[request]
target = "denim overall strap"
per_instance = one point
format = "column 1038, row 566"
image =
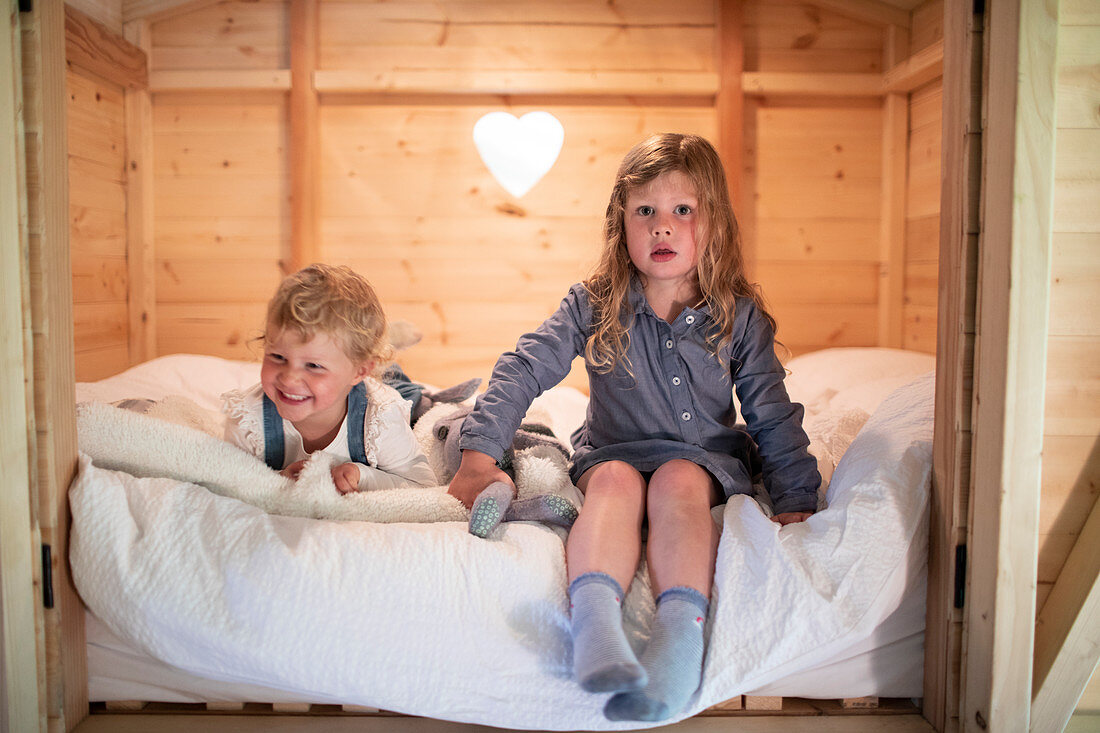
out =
column 395, row 377
column 357, row 413
column 274, row 445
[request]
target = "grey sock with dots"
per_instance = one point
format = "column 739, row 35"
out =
column 602, row 659
column 489, row 508
column 673, row 659
column 549, row 508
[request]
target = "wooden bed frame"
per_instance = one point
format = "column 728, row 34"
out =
column 997, row 658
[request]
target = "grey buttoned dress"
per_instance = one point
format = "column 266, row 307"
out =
column 678, row 403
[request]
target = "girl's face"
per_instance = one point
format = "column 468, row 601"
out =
column 308, row 380
column 660, row 220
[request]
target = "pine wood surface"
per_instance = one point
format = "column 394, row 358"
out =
column 1071, row 423
column 952, row 438
column 921, row 250
column 103, row 51
column 97, row 212
column 22, row 637
column 107, row 12
column 63, row 693
column 1012, row 350
column 403, row 195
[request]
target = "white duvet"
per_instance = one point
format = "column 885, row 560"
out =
column 429, row 620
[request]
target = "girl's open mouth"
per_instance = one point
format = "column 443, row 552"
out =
column 293, row 399
column 662, row 255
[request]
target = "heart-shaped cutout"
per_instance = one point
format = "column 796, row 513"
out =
column 518, row 152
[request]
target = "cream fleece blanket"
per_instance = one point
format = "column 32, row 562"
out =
column 173, row 441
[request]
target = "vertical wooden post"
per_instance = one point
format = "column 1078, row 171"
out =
column 958, row 277
column 22, row 673
column 895, row 138
column 1010, row 362
column 304, row 137
column 730, row 106
column 140, row 241
column 51, row 300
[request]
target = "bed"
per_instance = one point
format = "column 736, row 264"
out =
column 194, row 596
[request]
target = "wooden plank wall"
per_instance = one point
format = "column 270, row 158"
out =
column 816, row 168
column 404, row 198
column 1071, row 434
column 220, row 181
column 97, row 208
column 922, row 231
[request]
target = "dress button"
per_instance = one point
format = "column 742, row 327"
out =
column 668, row 344
column 685, row 416
column 690, row 320
column 676, row 381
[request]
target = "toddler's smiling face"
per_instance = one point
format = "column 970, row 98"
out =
column 308, row 379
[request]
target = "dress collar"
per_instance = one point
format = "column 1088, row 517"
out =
column 637, row 303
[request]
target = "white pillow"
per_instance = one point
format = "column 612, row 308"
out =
column 852, row 378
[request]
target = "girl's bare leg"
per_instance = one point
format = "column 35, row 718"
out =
column 683, row 543
column 602, row 553
column 607, row 536
column 683, row 538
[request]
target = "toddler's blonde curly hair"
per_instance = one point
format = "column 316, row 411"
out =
column 337, row 301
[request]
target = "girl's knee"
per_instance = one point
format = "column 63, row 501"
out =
column 681, row 481
column 679, row 471
column 612, row 478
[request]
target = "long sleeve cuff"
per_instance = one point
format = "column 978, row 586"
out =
column 481, row 445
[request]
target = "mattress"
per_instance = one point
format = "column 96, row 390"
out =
column 877, row 651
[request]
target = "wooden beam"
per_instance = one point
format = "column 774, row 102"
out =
column 746, row 217
column 895, row 169
column 867, row 11
column 140, row 241
column 23, row 662
column 781, row 83
column 1010, row 366
column 1067, row 632
column 922, row 67
column 154, row 10
column 730, row 101
column 203, row 80
column 601, row 83
column 45, row 103
column 305, row 137
column 94, row 47
column 959, row 228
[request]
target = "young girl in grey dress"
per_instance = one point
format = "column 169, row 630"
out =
column 669, row 328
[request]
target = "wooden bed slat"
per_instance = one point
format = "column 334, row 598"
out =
column 763, row 702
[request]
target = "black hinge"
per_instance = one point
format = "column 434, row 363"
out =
column 47, row 577
column 25, row 6
column 979, row 7
column 960, row 575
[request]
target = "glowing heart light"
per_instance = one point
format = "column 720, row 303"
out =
column 518, row 152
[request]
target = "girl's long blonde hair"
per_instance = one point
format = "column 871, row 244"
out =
column 720, row 267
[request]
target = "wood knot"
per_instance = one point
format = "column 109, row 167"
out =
column 511, row 209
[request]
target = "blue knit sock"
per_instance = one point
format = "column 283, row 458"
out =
column 602, row 659
column 673, row 659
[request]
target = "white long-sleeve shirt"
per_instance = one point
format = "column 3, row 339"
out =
column 391, row 448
